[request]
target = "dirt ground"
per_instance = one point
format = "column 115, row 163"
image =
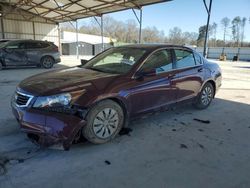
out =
column 167, row 149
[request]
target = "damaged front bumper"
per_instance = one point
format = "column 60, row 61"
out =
column 48, row 127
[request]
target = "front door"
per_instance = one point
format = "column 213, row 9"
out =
column 154, row 89
column 33, row 52
column 14, row 54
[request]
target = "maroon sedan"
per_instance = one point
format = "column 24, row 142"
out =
column 98, row 98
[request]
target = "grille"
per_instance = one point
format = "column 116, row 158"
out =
column 22, row 99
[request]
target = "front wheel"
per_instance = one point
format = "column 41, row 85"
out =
column 205, row 97
column 47, row 62
column 104, row 121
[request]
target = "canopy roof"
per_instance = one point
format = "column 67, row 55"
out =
column 70, row 10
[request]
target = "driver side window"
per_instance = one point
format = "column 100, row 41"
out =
column 160, row 61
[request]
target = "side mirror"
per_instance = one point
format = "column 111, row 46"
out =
column 151, row 72
column 147, row 73
column 84, row 61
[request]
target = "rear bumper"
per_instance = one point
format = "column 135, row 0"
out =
column 57, row 57
column 218, row 81
column 58, row 60
column 50, row 127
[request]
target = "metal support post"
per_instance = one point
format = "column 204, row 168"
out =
column 59, row 38
column 77, row 42
column 208, row 20
column 102, row 30
column 140, row 23
column 34, row 30
column 2, row 27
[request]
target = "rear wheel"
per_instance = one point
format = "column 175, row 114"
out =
column 205, row 97
column 104, row 121
column 47, row 62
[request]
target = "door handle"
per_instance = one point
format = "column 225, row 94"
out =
column 200, row 70
column 171, row 76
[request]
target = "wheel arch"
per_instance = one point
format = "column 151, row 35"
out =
column 2, row 62
column 211, row 82
column 47, row 55
column 121, row 102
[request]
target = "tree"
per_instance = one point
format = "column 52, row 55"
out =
column 128, row 32
column 175, row 36
column 152, row 35
column 214, row 32
column 190, row 38
column 236, row 25
column 201, row 36
column 131, row 31
column 243, row 24
column 225, row 24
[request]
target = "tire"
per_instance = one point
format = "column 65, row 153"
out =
column 205, row 97
column 104, row 122
column 47, row 62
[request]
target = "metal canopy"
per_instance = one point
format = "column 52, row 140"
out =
column 70, row 10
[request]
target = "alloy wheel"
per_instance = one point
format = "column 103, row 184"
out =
column 47, row 62
column 206, row 96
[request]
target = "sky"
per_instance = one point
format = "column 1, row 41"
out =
column 189, row 15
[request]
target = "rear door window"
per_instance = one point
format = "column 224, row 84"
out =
column 44, row 45
column 33, row 45
column 184, row 59
column 198, row 59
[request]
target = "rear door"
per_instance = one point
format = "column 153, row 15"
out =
column 14, row 54
column 34, row 50
column 188, row 75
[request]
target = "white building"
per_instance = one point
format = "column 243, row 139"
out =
column 87, row 44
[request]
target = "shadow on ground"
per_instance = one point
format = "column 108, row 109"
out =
column 244, row 67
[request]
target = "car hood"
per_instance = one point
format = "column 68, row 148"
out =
column 65, row 80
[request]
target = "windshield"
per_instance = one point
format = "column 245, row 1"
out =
column 115, row 60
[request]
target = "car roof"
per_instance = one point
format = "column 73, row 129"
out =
column 154, row 46
column 25, row 40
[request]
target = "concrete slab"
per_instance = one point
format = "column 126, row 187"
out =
column 167, row 149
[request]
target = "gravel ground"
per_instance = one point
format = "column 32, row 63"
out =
column 167, row 149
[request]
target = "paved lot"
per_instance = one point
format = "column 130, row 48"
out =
column 168, row 149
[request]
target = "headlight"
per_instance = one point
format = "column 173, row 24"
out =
column 53, row 101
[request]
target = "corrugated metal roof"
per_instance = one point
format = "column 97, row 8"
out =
column 68, row 10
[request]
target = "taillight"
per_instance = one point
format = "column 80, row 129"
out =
column 55, row 48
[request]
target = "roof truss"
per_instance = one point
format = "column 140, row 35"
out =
column 68, row 10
